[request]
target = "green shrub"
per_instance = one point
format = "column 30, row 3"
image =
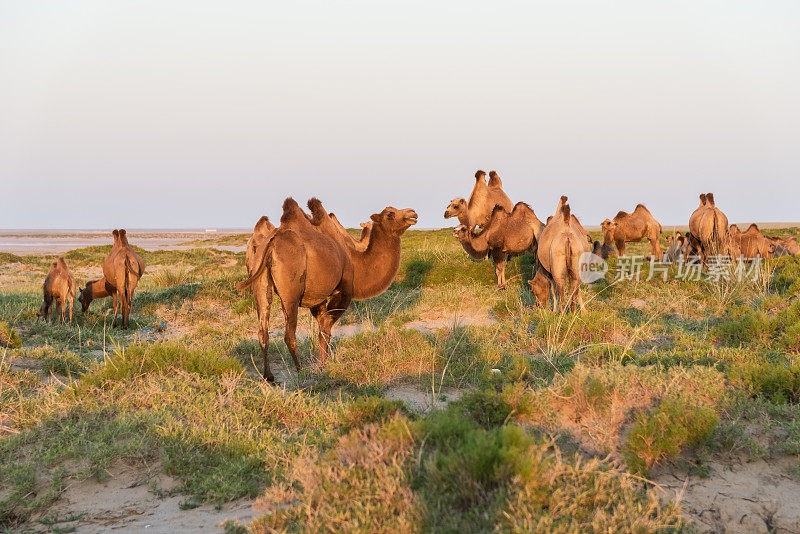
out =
column 9, row 337
column 486, row 408
column 744, row 326
column 661, row 435
column 369, row 409
column 776, row 382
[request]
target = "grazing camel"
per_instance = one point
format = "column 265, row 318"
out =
column 710, row 226
column 506, row 234
column 95, row 289
column 306, row 269
column 562, row 242
column 630, row 228
column 122, row 270
column 751, row 243
column 478, row 210
column 677, row 246
column 785, row 246
column 375, row 268
column 59, row 286
column 359, row 244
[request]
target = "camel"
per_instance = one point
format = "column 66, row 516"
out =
column 376, row 266
column 95, row 289
column 751, row 243
column 359, row 244
column 506, row 234
column 59, row 286
column 122, row 270
column 484, row 197
column 630, row 228
column 710, row 226
column 261, row 231
column 785, row 246
column 561, row 245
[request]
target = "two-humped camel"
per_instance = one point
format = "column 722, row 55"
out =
column 631, row 228
column 122, row 270
column 308, row 267
column 561, row 245
column 785, row 245
column 58, row 287
column 710, row 227
column 506, row 234
column 484, row 197
column 751, row 243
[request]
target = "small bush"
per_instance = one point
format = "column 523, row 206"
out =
column 171, row 277
column 744, row 326
column 363, row 410
column 9, row 337
column 776, row 382
column 486, row 408
column 661, row 435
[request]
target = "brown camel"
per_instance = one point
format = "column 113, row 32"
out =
column 95, row 289
column 751, row 243
column 306, row 269
column 710, row 226
column 677, row 246
column 785, row 246
column 122, row 270
column 506, row 234
column 375, row 268
column 59, row 286
column 359, row 244
column 482, row 200
column 561, row 245
column 261, row 233
column 632, row 228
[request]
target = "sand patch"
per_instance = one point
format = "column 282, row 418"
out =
column 421, row 401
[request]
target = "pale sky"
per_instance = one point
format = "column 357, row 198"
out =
column 208, row 114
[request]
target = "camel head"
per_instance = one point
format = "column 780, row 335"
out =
column 394, row 221
column 457, row 207
column 608, row 226
column 461, row 232
column 85, row 297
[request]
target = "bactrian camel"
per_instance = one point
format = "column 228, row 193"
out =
column 484, row 197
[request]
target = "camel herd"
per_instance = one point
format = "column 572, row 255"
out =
column 311, row 261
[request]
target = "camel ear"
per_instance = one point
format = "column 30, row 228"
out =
column 376, row 217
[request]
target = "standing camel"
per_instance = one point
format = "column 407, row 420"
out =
column 630, row 228
column 710, row 226
column 59, row 286
column 506, row 234
column 484, row 197
column 122, row 270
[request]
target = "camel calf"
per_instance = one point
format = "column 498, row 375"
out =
column 59, row 286
column 95, row 289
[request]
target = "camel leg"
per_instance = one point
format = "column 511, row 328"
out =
column 621, row 247
column 71, row 307
column 336, row 306
column 655, row 249
column 116, row 307
column 559, row 276
column 263, row 299
column 499, row 259
column 290, row 335
column 63, row 310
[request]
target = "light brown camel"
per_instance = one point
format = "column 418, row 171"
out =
column 561, row 245
column 376, row 267
column 306, row 268
column 785, row 246
column 95, row 289
column 261, row 233
column 359, row 244
column 632, row 228
column 750, row 243
column 506, row 234
column 122, row 270
column 710, row 226
column 59, row 286
column 478, row 209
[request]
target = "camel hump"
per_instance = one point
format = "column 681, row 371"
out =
column 479, row 175
column 318, row 212
column 565, row 212
column 291, row 210
column 641, row 207
column 753, row 227
column 620, row 215
column 263, row 225
column 703, row 199
column 564, row 199
column 62, row 263
column 521, row 206
column 494, row 179
column 710, row 198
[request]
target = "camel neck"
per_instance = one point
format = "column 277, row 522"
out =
column 376, row 267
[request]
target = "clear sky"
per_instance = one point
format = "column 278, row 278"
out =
column 208, row 114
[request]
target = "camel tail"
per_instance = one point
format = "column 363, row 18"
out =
column 261, row 261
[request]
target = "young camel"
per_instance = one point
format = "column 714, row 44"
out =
column 751, row 243
column 561, row 245
column 629, row 228
column 59, row 286
column 478, row 210
column 710, row 226
column 122, row 270
column 506, row 234
column 375, row 268
column 95, row 289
